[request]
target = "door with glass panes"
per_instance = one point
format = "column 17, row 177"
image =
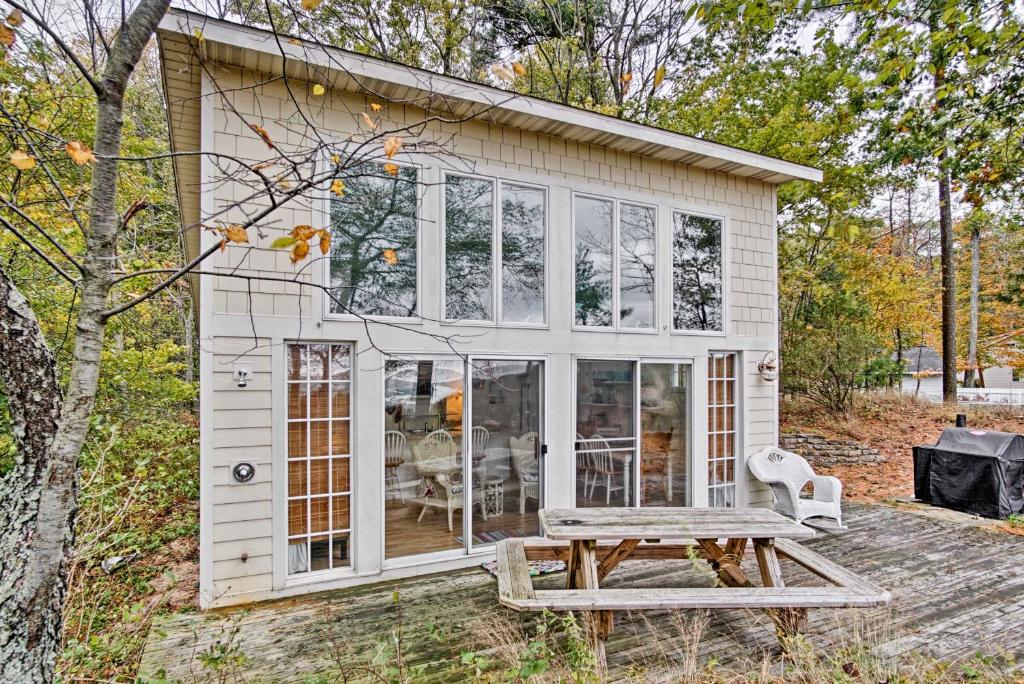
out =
column 633, row 432
column 462, row 453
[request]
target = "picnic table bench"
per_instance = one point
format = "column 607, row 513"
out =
column 593, row 541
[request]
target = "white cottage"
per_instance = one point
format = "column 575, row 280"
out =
column 555, row 308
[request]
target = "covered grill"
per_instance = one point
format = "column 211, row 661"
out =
column 970, row 470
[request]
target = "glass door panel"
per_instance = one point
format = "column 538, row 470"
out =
column 665, row 437
column 423, row 474
column 505, row 420
column 605, row 432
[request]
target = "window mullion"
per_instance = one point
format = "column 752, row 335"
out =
column 497, row 223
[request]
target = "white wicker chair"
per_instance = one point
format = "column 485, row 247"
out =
column 523, row 453
column 787, row 473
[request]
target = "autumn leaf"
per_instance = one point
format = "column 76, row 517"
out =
column 335, row 159
column 198, row 33
column 376, row 106
column 6, row 36
column 79, row 153
column 369, row 122
column 659, row 75
column 282, row 242
column 502, row 72
column 237, row 234
column 325, row 241
column 310, row 5
column 392, row 145
column 318, row 89
column 303, row 232
column 519, row 69
column 22, row 160
column 15, row 18
column 392, row 169
column 338, row 187
column 262, row 166
column 223, row 244
column 626, row 78
column 390, row 256
column 262, row 132
column 299, row 251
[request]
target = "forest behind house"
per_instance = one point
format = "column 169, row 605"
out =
column 853, row 90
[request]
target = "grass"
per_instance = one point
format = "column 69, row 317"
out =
column 139, row 492
column 559, row 648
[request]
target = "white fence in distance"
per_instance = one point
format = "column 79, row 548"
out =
column 994, row 396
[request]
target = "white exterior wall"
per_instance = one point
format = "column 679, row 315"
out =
column 248, row 423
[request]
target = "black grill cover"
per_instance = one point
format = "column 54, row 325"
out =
column 970, row 470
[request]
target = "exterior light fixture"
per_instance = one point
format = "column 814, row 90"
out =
column 767, row 367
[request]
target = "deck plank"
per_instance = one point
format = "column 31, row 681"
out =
column 955, row 590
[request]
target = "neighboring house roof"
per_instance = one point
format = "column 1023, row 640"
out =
column 262, row 51
column 921, row 359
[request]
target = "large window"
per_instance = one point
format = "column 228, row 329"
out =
column 374, row 245
column 494, row 251
column 722, row 429
column 319, row 456
column 696, row 272
column 615, row 273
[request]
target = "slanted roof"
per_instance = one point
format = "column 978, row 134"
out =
column 921, row 358
column 262, row 51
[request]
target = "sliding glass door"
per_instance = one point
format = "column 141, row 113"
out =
column 617, row 401
column 505, row 420
column 665, row 401
column 605, row 432
column 446, row 454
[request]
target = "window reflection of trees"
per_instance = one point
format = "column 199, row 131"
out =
column 373, row 252
column 469, row 207
column 696, row 273
column 593, row 262
column 522, row 254
column 636, row 266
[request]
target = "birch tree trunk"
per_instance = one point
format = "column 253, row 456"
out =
column 972, row 333
column 38, row 499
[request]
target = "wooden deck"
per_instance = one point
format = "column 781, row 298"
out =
column 957, row 589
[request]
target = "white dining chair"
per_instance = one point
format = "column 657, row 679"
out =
column 603, row 465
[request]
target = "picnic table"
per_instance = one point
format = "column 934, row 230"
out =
column 593, row 541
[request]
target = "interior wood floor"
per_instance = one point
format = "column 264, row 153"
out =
column 956, row 590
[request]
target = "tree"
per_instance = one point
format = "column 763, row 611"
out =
column 68, row 198
column 942, row 73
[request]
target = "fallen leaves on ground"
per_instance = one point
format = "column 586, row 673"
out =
column 893, row 425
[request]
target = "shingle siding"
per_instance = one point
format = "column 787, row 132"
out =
column 243, row 419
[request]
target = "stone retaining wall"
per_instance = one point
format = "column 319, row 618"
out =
column 829, row 452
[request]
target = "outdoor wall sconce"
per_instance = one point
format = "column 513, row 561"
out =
column 241, row 375
column 768, row 368
column 243, row 472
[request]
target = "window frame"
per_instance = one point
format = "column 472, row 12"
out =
column 324, row 272
column 674, row 209
column 497, row 224
column 738, row 407
column 280, row 461
column 617, row 202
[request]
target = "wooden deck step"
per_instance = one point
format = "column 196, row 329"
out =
column 683, row 599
